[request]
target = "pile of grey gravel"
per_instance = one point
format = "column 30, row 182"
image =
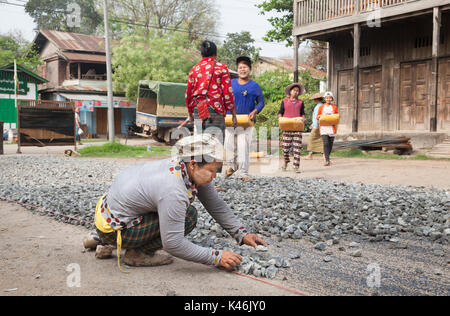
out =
column 320, row 211
column 63, row 185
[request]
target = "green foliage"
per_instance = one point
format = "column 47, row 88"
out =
column 139, row 57
column 8, row 50
column 53, row 15
column 117, row 150
column 195, row 17
column 236, row 45
column 273, row 85
column 282, row 25
column 268, row 118
column 13, row 47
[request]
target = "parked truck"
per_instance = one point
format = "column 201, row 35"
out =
column 160, row 109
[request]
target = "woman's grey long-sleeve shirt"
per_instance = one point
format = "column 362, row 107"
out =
column 158, row 187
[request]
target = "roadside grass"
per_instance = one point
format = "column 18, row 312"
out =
column 83, row 141
column 358, row 153
column 89, row 141
column 116, row 150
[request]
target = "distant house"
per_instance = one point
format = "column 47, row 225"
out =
column 267, row 64
column 28, row 90
column 75, row 67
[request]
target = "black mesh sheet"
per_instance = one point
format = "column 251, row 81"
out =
column 43, row 127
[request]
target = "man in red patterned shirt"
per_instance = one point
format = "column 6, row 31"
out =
column 210, row 81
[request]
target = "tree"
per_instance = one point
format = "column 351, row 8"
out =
column 317, row 57
column 142, row 57
column 235, row 45
column 195, row 17
column 57, row 15
column 14, row 46
column 282, row 30
column 282, row 25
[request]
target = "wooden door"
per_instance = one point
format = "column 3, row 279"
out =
column 370, row 100
column 443, row 116
column 102, row 121
column 345, row 100
column 118, row 121
column 414, row 96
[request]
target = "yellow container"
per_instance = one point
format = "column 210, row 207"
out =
column 243, row 121
column 296, row 124
column 329, row 120
column 257, row 155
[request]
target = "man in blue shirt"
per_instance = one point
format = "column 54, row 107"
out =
column 249, row 100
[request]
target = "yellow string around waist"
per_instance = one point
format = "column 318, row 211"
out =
column 104, row 227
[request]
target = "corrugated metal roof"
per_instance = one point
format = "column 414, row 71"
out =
column 288, row 64
column 85, row 57
column 80, row 88
column 33, row 76
column 75, row 42
column 91, row 97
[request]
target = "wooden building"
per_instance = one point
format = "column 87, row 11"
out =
column 75, row 67
column 389, row 61
column 28, row 90
column 267, row 64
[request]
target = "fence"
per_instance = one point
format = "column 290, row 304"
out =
column 45, row 123
column 313, row 11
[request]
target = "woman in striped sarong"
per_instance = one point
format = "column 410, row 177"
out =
column 292, row 107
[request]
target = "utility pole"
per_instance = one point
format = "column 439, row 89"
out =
column 296, row 61
column 111, row 132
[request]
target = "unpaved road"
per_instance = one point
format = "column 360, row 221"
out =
column 36, row 252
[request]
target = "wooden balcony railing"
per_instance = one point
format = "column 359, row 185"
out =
column 45, row 105
column 313, row 11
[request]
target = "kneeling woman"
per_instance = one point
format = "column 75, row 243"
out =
column 148, row 208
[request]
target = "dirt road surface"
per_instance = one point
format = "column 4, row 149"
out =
column 41, row 257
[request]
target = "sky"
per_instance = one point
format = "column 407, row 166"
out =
column 242, row 15
column 236, row 16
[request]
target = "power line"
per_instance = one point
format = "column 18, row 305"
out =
column 163, row 28
column 13, row 4
column 184, row 30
